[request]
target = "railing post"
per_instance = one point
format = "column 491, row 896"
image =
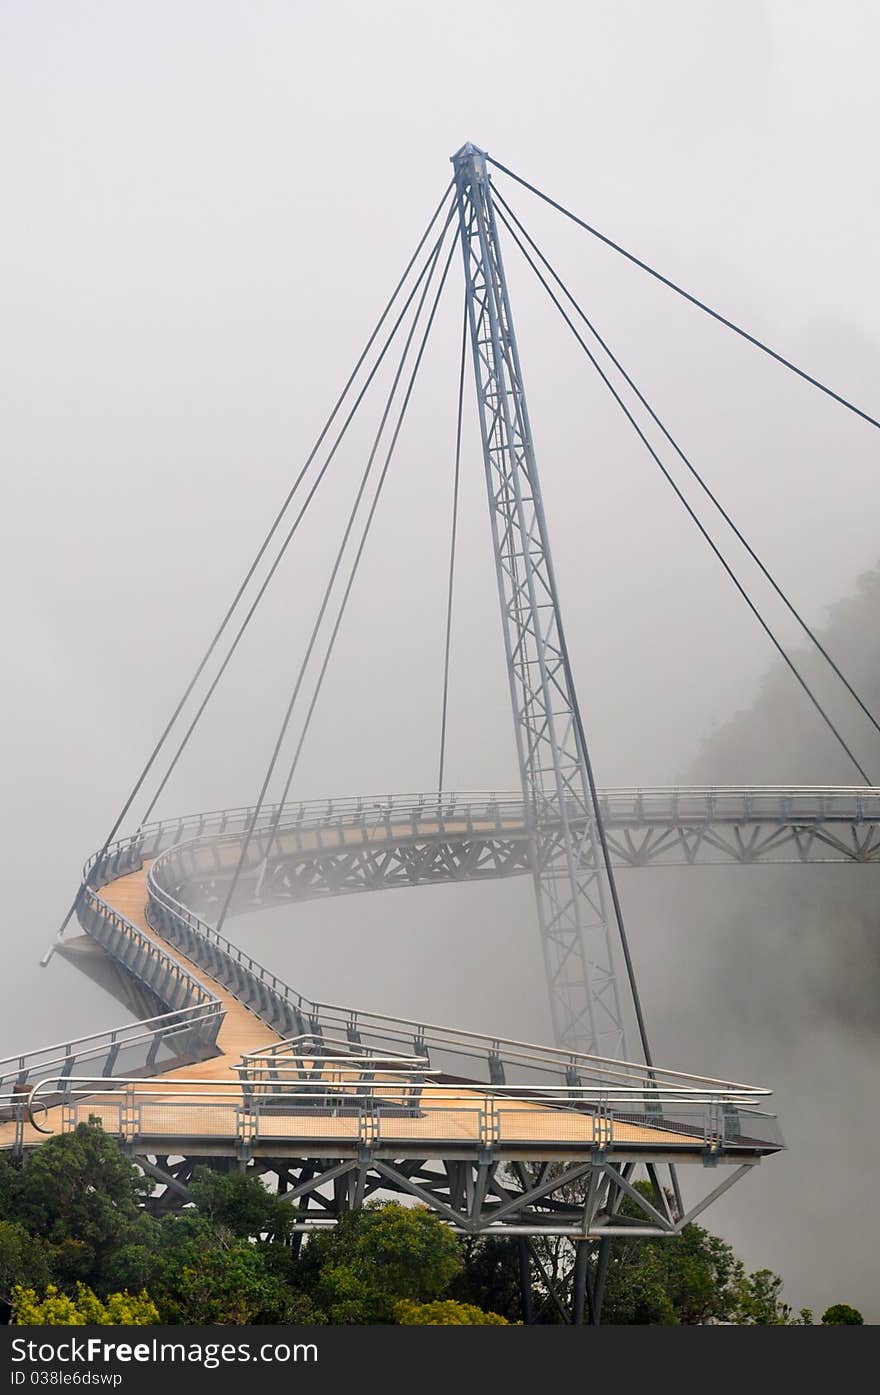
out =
column 713, row 1128
column 496, row 1066
column 247, row 1126
column 369, row 1125
column 129, row 1120
column 112, row 1055
column 602, row 1125
column 489, row 1122
column 18, row 1143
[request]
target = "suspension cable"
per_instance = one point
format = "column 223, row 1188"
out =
column 811, row 635
column 295, row 525
column 258, row 557
column 246, row 841
column 686, row 295
column 356, row 563
column 452, row 543
column 686, row 505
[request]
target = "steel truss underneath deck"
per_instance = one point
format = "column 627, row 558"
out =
column 455, row 1137
column 476, row 841
column 575, row 1200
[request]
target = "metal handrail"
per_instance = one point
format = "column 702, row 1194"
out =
column 451, row 1039
column 714, row 797
column 370, row 1096
column 376, row 1105
column 792, row 803
column 563, row 1096
column 108, row 1038
column 26, row 1064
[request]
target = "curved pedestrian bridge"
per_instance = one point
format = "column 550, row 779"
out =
column 229, row 1019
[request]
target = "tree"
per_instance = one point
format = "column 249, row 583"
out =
column 692, row 1278
column 375, row 1257
column 445, row 1312
column 240, row 1204
column 637, row 1291
column 24, row 1260
column 82, row 1195
column 225, row 1259
column 133, row 1260
column 490, row 1276
column 200, row 1272
column 58, row 1309
column 760, row 1302
column 231, row 1285
column 10, row 1176
column 842, row 1315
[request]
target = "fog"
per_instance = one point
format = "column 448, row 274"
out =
column 205, row 209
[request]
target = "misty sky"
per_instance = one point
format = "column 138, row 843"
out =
column 206, row 206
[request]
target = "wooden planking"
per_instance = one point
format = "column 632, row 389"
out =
column 242, row 1031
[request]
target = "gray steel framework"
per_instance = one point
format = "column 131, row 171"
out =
column 334, row 1121
column 350, row 846
column 645, row 825
column 562, row 829
column 476, row 1196
column 376, row 842
column 530, row 1204
column 565, row 1179
column 526, row 1202
column 586, row 1119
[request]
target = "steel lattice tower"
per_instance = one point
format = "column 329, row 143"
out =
column 565, row 850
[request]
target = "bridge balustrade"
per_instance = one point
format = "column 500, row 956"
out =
column 195, row 1013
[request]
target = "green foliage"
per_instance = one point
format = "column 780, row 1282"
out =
column 445, row 1312
column 200, row 1272
column 637, row 1287
column 687, row 1279
column 82, row 1195
column 842, row 1315
column 376, row 1257
column 240, row 1204
column 56, row 1309
column 415, row 1254
column 490, row 1276
column 132, row 1262
column 760, row 1301
column 24, row 1260
column 10, row 1173
column 231, row 1285
column 73, row 1229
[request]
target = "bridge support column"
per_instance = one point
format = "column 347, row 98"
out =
column 570, row 866
column 579, row 1291
column 525, row 1280
column 599, row 1281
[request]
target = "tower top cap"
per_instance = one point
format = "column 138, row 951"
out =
column 467, row 152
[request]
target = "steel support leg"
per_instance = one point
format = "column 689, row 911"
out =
column 561, row 809
column 525, row 1281
column 599, row 1282
column 579, row 1283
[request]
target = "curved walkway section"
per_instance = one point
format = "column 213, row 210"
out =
column 232, row 1025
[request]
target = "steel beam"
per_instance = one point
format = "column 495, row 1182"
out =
column 566, row 863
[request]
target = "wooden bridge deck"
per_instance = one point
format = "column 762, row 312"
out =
column 164, row 1113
